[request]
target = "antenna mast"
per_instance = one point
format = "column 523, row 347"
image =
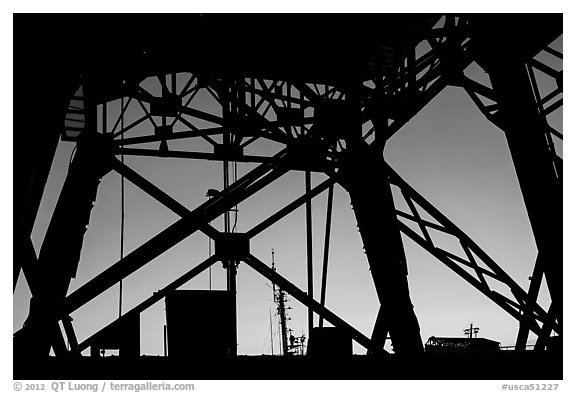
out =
column 280, row 300
column 471, row 330
column 290, row 345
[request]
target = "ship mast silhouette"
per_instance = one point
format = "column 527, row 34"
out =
column 290, row 345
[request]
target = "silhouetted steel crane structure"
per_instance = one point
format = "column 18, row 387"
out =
column 332, row 90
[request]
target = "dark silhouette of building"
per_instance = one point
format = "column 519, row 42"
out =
column 461, row 345
column 200, row 324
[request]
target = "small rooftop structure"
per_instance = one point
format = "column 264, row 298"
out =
column 461, row 345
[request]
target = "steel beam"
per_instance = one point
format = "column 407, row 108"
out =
column 159, row 195
column 371, row 199
column 70, row 334
column 326, row 250
column 143, row 306
column 240, row 190
column 381, row 329
column 403, row 96
column 302, row 297
column 526, row 135
column 229, row 100
column 492, row 295
column 25, row 254
column 34, row 151
column 504, row 54
column 309, row 260
column 190, row 223
column 204, row 133
column 60, row 252
column 544, row 338
column 184, row 109
column 535, row 283
column 291, row 207
column 450, row 228
column 195, row 155
column 516, row 115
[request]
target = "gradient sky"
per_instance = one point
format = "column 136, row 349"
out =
column 449, row 153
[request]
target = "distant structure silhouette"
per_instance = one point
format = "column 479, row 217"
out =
column 332, row 100
column 461, row 345
column 472, row 331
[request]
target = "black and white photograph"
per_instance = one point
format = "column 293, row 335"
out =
column 288, row 196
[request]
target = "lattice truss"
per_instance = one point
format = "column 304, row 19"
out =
column 169, row 107
column 547, row 98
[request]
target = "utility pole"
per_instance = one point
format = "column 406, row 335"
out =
column 472, row 330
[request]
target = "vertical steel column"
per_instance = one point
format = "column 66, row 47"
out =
column 122, row 209
column 29, row 187
column 525, row 132
column 70, row 334
column 34, row 151
column 373, row 205
column 309, row 258
column 105, row 117
column 362, row 172
column 326, row 250
column 503, row 52
column 60, row 253
column 230, row 109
